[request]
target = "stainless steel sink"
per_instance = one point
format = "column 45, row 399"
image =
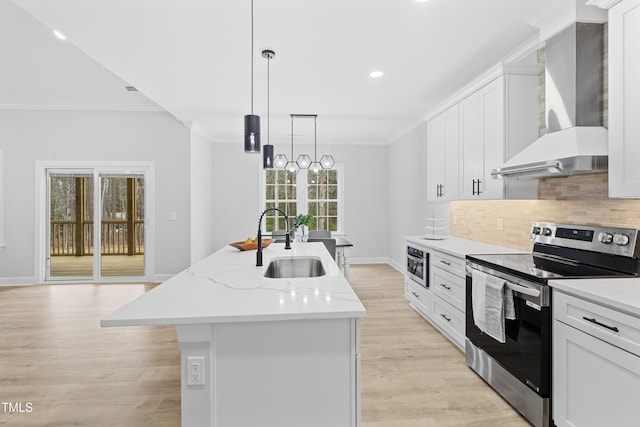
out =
column 280, row 268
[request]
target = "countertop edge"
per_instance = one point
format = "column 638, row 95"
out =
column 584, row 293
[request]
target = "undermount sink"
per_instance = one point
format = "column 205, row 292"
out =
column 290, row 267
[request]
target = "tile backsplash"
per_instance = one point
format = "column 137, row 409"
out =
column 581, row 199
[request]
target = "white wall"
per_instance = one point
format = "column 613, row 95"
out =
column 237, row 195
column 408, row 206
column 30, row 135
column 202, row 198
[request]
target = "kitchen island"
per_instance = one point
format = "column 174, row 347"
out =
column 257, row 350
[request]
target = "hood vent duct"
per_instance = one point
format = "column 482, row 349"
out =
column 575, row 142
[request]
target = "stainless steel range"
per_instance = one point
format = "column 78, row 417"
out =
column 520, row 367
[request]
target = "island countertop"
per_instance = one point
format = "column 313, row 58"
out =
column 228, row 287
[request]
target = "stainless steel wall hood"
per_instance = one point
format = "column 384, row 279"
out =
column 575, row 141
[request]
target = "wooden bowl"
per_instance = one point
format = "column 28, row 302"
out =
column 243, row 246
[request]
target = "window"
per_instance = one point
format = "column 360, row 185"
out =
column 281, row 193
column 319, row 194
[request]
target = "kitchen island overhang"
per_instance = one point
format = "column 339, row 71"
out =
column 276, row 351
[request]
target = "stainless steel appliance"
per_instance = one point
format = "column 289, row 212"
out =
column 418, row 266
column 520, row 368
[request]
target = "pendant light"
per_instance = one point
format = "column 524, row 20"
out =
column 292, row 166
column 251, row 121
column 267, row 152
column 315, row 166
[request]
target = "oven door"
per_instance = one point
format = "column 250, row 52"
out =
column 418, row 266
column 526, row 353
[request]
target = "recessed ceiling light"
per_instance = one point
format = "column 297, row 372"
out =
column 375, row 74
column 59, row 35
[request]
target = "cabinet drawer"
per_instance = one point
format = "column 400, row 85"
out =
column 614, row 327
column 418, row 296
column 448, row 319
column 449, row 263
column 449, row 287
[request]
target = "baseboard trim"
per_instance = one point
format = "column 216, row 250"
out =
column 17, row 281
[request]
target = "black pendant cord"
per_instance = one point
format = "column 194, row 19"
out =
column 268, row 121
column 291, row 138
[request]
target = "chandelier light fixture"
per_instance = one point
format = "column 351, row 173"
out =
column 251, row 121
column 304, row 161
column 267, row 152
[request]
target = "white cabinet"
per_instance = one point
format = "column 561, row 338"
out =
column 624, row 99
column 596, row 364
column 448, row 283
column 442, row 156
column 496, row 122
column 419, row 297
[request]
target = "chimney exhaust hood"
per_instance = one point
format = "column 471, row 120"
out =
column 575, row 142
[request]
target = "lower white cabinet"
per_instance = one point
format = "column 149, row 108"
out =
column 595, row 381
column 419, row 297
column 443, row 303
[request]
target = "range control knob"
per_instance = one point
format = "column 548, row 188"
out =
column 546, row 231
column 621, row 239
column 605, row 238
column 536, row 230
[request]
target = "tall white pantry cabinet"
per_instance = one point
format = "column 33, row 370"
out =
column 479, row 131
column 624, row 98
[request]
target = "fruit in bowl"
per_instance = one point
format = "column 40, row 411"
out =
column 251, row 244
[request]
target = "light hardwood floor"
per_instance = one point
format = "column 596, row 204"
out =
column 54, row 355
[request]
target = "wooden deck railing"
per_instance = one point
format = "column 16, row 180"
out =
column 115, row 238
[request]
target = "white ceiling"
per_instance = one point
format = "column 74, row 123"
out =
column 192, row 58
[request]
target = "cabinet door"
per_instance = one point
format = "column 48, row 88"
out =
column 624, row 99
column 470, row 146
column 492, row 102
column 435, row 157
column 442, row 156
column 594, row 383
column 449, row 191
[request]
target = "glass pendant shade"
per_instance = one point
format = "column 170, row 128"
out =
column 315, row 167
column 292, row 167
column 327, row 161
column 280, row 161
column 267, row 157
column 304, row 161
column 251, row 133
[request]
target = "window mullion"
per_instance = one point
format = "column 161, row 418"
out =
column 301, row 192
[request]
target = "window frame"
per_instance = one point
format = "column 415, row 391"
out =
column 302, row 200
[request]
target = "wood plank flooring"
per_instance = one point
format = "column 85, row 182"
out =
column 54, row 354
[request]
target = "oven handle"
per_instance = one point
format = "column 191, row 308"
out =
column 523, row 289
column 516, row 287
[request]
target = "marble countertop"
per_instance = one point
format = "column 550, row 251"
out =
column 228, row 287
column 458, row 247
column 622, row 294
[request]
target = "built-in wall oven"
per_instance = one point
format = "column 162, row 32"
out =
column 520, row 367
column 418, row 266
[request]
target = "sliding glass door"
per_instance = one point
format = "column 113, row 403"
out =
column 96, row 224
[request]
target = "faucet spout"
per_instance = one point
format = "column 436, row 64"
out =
column 287, row 241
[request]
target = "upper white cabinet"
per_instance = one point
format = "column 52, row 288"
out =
column 496, row 122
column 442, row 155
column 478, row 132
column 624, row 99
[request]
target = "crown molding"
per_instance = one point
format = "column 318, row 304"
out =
column 603, row 4
column 53, row 107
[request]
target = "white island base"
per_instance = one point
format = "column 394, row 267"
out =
column 283, row 373
column 268, row 352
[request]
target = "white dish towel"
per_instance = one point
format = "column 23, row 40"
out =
column 492, row 303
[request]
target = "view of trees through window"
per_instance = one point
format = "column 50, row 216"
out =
column 319, row 196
